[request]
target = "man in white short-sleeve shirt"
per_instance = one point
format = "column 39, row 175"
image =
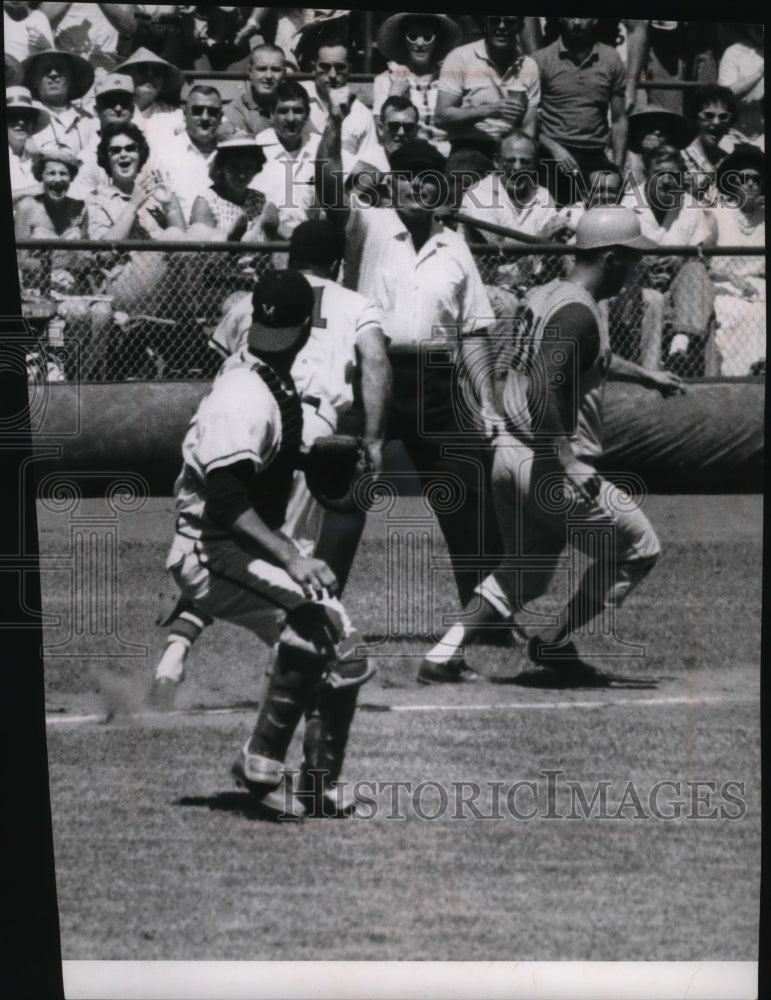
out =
column 436, row 315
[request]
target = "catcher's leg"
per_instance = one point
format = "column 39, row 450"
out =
column 327, row 726
column 311, row 646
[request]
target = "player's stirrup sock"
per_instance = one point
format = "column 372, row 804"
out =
column 460, row 634
column 291, row 684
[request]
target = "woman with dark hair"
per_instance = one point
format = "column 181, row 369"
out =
column 135, row 205
column 132, row 205
column 740, row 282
column 713, row 109
column 229, row 207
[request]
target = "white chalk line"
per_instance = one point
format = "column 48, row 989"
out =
column 60, row 720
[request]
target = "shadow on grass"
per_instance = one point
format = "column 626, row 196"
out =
column 237, row 803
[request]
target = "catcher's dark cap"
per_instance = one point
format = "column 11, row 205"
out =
column 417, row 155
column 282, row 306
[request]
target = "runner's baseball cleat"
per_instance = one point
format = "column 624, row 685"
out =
column 455, row 671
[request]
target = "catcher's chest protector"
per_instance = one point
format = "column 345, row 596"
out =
column 269, row 490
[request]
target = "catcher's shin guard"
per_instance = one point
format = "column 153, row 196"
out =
column 327, row 727
column 292, row 680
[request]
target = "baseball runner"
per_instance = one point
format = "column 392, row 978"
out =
column 346, row 346
column 231, row 559
column 544, row 479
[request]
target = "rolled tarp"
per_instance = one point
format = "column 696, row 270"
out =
column 709, row 440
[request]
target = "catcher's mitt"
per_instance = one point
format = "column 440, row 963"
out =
column 332, row 468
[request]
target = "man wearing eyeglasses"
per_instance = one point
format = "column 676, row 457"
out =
column 488, row 88
column 331, row 70
column 184, row 157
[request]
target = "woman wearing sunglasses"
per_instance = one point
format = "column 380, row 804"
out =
column 135, row 204
column 740, row 282
column 415, row 46
column 713, row 110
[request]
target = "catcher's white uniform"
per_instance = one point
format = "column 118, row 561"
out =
column 239, row 420
column 535, row 520
column 323, row 374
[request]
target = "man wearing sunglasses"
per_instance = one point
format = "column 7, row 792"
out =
column 184, row 158
column 488, row 88
column 331, row 70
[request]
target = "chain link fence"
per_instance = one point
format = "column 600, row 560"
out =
column 145, row 311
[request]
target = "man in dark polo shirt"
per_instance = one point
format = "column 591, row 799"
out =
column 252, row 110
column 581, row 81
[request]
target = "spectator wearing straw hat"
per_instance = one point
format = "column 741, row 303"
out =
column 25, row 117
column 415, row 45
column 59, row 80
column 652, row 128
column 229, row 206
column 157, row 86
column 26, row 31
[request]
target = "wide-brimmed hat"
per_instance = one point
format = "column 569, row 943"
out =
column 80, row 70
column 174, row 79
column 390, row 40
column 238, row 141
column 744, row 154
column 20, row 98
column 642, row 123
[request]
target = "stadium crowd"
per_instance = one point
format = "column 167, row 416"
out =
column 532, row 120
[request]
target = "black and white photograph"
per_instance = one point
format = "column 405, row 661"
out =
column 389, row 480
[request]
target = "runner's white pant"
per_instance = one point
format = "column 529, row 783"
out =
column 537, row 524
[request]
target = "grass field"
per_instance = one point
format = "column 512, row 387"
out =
column 158, row 856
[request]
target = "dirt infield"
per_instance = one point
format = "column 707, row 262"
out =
column 159, row 857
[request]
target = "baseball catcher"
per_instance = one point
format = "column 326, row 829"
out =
column 231, row 559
